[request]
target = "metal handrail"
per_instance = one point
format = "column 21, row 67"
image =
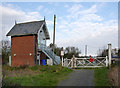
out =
column 49, row 51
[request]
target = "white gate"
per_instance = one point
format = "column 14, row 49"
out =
column 85, row 63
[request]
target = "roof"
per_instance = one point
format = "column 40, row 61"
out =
column 28, row 28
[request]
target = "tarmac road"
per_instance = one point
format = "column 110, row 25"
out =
column 82, row 77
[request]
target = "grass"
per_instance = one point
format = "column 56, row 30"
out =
column 101, row 77
column 0, row 72
column 114, row 75
column 48, row 76
column 88, row 68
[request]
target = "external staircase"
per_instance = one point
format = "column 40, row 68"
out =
column 50, row 54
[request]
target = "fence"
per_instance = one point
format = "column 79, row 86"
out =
column 85, row 63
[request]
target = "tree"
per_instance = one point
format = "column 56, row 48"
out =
column 103, row 52
column 118, row 52
column 57, row 50
column 70, row 51
column 51, row 45
column 5, row 51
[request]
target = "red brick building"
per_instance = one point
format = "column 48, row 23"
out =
column 28, row 44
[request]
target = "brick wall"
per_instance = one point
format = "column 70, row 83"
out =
column 21, row 47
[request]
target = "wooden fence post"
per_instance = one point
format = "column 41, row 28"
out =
column 73, row 61
column 109, row 54
column 62, row 61
column 106, row 61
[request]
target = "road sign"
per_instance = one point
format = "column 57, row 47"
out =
column 62, row 53
column 90, row 59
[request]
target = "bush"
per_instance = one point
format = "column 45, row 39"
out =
column 14, row 68
column 34, row 68
column 23, row 66
column 6, row 82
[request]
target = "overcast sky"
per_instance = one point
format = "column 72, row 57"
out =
column 77, row 23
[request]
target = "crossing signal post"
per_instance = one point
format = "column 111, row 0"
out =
column 85, row 50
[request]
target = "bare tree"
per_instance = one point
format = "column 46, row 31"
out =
column 5, row 51
column 70, row 51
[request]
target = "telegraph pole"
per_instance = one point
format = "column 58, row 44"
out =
column 85, row 50
column 54, row 34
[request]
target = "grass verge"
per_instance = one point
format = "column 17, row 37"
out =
column 114, row 76
column 101, row 77
column 47, row 76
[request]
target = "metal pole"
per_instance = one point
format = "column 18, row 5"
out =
column 109, row 54
column 85, row 50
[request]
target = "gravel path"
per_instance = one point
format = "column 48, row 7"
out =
column 83, row 77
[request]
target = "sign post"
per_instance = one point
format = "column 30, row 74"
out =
column 62, row 54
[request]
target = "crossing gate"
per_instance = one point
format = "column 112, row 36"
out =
column 85, row 63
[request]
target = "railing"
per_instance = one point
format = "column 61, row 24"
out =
column 47, row 50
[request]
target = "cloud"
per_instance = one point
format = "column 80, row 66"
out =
column 92, row 9
column 91, row 17
column 40, row 7
column 75, row 11
column 81, row 30
column 75, row 8
column 49, row 10
column 86, row 27
column 81, row 26
column 66, row 6
column 49, row 22
column 9, row 16
column 90, row 33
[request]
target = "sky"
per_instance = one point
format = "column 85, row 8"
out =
column 94, row 24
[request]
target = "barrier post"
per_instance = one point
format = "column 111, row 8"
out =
column 73, row 62
column 109, row 54
column 106, row 61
